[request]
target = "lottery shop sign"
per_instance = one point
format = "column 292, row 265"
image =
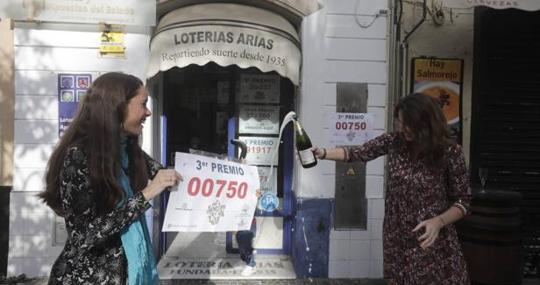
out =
column 215, row 196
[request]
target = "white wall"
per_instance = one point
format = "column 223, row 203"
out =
column 452, row 39
column 40, row 54
column 336, row 48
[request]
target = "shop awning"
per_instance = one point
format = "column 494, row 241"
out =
column 529, row 5
column 301, row 7
column 292, row 10
column 226, row 34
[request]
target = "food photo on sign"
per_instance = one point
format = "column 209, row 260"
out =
column 441, row 79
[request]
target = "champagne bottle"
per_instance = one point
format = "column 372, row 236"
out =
column 303, row 145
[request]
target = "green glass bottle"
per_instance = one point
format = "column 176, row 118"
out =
column 303, row 145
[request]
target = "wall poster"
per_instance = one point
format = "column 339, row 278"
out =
column 260, row 150
column 350, row 128
column 441, row 78
column 71, row 90
column 259, row 88
column 258, row 119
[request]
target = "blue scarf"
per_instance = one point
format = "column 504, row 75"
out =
column 135, row 238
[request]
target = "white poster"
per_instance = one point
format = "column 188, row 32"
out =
column 259, row 88
column 260, row 150
column 258, row 119
column 215, row 196
column 350, row 128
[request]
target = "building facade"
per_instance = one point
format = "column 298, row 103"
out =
column 339, row 42
column 210, row 66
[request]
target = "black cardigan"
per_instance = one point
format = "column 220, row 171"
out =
column 93, row 253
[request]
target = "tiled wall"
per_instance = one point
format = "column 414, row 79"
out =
column 336, row 48
column 358, row 254
column 40, row 54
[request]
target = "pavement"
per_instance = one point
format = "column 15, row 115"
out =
column 19, row 280
column 310, row 281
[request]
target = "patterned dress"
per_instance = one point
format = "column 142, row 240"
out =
column 417, row 192
column 93, row 253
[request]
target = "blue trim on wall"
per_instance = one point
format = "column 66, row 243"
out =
column 163, row 140
column 231, row 131
column 231, row 150
column 163, row 198
column 311, row 247
column 288, row 162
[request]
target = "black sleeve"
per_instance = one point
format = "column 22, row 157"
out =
column 85, row 227
column 371, row 149
column 459, row 187
column 152, row 165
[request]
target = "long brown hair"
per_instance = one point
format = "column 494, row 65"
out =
column 96, row 130
column 423, row 116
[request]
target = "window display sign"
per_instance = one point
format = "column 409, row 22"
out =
column 268, row 184
column 215, row 196
column 259, row 88
column 441, row 79
column 350, row 128
column 259, row 119
column 71, row 90
column 260, row 150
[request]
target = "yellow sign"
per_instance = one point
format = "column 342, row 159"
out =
column 437, row 69
column 112, row 43
column 442, row 80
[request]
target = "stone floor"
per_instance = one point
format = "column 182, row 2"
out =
column 19, row 280
column 312, row 281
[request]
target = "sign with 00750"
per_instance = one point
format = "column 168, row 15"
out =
column 215, row 196
column 350, row 128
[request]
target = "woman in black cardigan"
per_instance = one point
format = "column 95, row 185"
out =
column 98, row 180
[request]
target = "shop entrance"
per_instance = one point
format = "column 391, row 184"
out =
column 506, row 117
column 204, row 107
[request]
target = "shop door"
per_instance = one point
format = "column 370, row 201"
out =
column 506, row 114
column 204, row 107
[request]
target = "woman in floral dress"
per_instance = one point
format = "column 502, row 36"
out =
column 428, row 190
column 97, row 179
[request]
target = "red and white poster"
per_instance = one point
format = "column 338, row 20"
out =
column 350, row 128
column 215, row 196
